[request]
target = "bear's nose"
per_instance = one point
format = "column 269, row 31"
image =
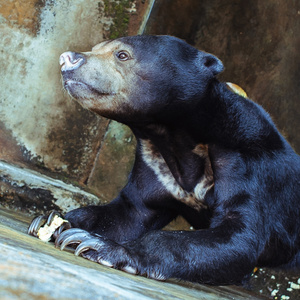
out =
column 71, row 61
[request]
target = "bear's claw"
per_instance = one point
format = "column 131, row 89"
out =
column 85, row 240
column 90, row 244
column 71, row 236
column 42, row 220
column 36, row 224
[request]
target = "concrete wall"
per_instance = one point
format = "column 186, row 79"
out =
column 41, row 128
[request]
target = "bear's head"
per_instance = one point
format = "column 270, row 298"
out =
column 139, row 79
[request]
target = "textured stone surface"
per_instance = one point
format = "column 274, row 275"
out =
column 36, row 193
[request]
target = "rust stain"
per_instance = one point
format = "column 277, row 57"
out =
column 22, row 13
column 9, row 151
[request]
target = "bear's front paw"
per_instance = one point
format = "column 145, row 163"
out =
column 97, row 249
column 49, row 227
column 106, row 252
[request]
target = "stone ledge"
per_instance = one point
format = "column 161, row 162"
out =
column 34, row 192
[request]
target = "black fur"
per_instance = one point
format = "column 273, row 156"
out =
column 253, row 210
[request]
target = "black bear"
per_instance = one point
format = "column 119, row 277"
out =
column 203, row 152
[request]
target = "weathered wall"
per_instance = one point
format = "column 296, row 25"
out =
column 46, row 129
column 41, row 128
column 258, row 42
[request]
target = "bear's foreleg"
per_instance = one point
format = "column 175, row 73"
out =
column 218, row 255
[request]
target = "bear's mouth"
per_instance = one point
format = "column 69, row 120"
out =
column 79, row 89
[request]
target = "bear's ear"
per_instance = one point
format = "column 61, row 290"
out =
column 212, row 63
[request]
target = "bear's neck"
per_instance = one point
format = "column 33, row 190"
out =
column 178, row 150
column 231, row 121
column 223, row 120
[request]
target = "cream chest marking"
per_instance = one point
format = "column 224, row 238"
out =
column 157, row 163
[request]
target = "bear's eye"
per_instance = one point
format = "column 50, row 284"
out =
column 123, row 55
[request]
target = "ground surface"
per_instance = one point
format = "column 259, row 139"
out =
column 32, row 269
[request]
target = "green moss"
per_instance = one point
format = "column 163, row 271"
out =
column 118, row 10
column 114, row 162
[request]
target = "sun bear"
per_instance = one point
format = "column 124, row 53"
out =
column 203, row 152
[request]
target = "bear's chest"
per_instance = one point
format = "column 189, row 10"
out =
column 195, row 198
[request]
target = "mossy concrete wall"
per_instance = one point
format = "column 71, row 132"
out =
column 258, row 42
column 41, row 128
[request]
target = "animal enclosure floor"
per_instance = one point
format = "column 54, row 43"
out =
column 32, row 269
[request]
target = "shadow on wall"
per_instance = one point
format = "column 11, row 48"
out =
column 258, row 42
